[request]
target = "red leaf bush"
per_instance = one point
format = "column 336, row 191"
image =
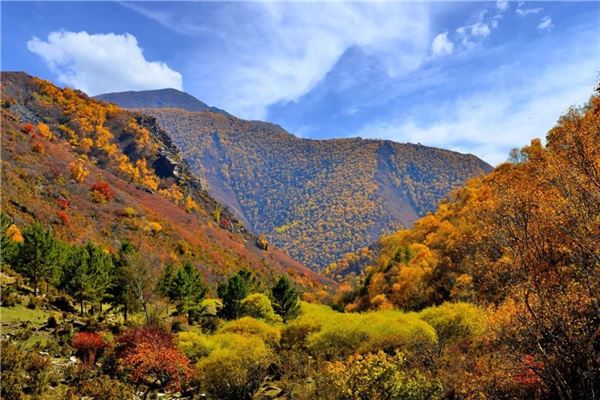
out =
column 102, row 192
column 149, row 356
column 88, row 345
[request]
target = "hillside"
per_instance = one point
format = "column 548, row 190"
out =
column 96, row 172
column 163, row 98
column 317, row 199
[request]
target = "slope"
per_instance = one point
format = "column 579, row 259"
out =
column 97, row 172
column 163, row 98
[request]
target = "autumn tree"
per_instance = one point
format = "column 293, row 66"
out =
column 150, row 358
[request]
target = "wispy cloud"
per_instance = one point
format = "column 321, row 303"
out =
column 275, row 53
column 490, row 121
column 502, row 5
column 545, row 24
column 523, row 12
column 102, row 63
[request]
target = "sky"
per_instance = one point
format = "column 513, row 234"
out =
column 475, row 77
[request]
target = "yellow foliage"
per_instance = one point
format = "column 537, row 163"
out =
column 78, row 170
column 14, row 233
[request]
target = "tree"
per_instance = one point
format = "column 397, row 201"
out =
column 285, row 299
column 10, row 237
column 184, row 287
column 141, row 272
column 87, row 275
column 233, row 292
column 120, row 291
column 149, row 357
column 38, row 254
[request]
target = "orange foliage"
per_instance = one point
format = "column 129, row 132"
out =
column 78, row 170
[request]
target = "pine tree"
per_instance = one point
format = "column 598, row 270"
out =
column 285, row 299
column 184, row 287
column 38, row 255
column 232, row 293
column 120, row 291
column 87, row 275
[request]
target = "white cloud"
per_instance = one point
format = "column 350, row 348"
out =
column 489, row 123
column 100, row 63
column 441, row 45
column 480, row 29
column 502, row 5
column 545, row 24
column 271, row 53
column 523, row 12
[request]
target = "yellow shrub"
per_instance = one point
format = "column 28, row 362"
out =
column 248, row 326
column 153, row 227
column 78, row 170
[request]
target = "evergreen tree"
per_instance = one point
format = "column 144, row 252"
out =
column 232, row 293
column 120, row 291
column 184, row 287
column 87, row 275
column 38, row 255
column 285, row 299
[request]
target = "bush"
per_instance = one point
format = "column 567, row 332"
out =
column 101, row 192
column 106, row 388
column 14, row 376
column 195, row 345
column 455, row 322
column 38, row 369
column 343, row 334
column 88, row 345
column 375, row 377
column 236, row 367
column 252, row 327
column 257, row 305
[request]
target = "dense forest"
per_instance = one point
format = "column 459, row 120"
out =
column 120, row 279
column 315, row 199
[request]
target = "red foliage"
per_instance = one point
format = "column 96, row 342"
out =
column 63, row 217
column 38, row 147
column 88, row 345
column 27, row 128
column 149, row 355
column 63, row 203
column 103, row 189
column 527, row 375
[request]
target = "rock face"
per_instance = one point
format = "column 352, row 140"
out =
column 317, row 199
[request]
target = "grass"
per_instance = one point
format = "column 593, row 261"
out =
column 20, row 313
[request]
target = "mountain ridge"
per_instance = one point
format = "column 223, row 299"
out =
column 317, row 199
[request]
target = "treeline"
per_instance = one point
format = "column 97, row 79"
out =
column 129, row 281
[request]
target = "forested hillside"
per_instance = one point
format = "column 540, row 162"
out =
column 523, row 241
column 316, row 199
column 96, row 172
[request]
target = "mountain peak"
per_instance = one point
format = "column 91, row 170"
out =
column 159, row 98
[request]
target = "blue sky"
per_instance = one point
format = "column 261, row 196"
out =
column 476, row 77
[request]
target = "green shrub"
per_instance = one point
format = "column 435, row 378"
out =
column 342, row 334
column 14, row 376
column 195, row 345
column 235, row 368
column 257, row 305
column 455, row 322
column 253, row 327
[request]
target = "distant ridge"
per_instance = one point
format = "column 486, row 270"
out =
column 161, row 98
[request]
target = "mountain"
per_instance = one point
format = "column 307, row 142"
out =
column 96, row 172
column 317, row 199
column 163, row 98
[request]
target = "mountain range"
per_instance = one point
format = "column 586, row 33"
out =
column 316, row 199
